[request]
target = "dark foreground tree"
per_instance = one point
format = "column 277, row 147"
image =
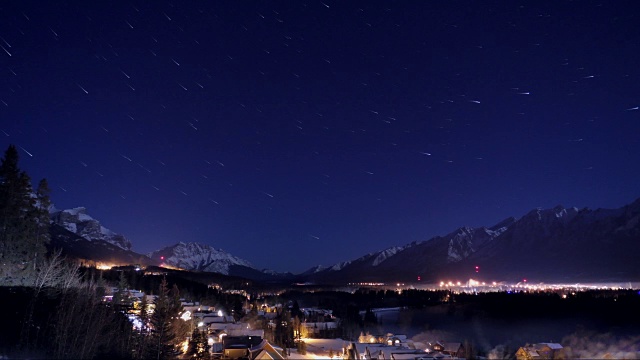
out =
column 122, row 299
column 24, row 222
column 167, row 329
column 198, row 345
column 85, row 327
column 72, row 324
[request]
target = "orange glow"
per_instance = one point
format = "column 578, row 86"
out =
column 104, row 266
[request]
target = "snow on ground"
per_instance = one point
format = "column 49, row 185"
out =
column 320, row 348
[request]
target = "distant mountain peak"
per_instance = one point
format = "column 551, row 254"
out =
column 199, row 257
column 80, row 223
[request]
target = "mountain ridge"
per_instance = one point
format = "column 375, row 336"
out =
column 543, row 242
column 558, row 242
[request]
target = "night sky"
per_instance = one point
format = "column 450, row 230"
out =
column 298, row 133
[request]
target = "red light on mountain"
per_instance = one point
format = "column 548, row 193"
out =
column 419, row 278
column 161, row 257
column 477, row 268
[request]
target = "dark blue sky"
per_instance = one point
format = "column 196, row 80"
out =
column 297, row 133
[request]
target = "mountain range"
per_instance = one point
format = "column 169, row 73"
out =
column 557, row 244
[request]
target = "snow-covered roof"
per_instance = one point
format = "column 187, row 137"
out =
column 405, row 356
column 244, row 332
column 222, row 326
column 210, row 319
column 321, row 347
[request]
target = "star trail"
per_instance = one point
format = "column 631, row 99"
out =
column 298, row 133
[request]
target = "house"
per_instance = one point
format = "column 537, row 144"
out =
column 454, row 349
column 209, row 319
column 194, row 308
column 249, row 347
column 388, row 339
column 541, row 351
column 373, row 351
column 322, row 348
column 407, row 354
column 371, row 339
column 266, row 351
column 318, row 328
column 368, row 351
column 396, row 340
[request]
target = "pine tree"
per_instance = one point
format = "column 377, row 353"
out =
column 174, row 301
column 295, row 323
column 140, row 344
column 121, row 297
column 41, row 214
column 180, row 327
column 198, row 345
column 167, row 327
column 12, row 201
column 24, row 221
column 144, row 315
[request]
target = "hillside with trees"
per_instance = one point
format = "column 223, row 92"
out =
column 56, row 309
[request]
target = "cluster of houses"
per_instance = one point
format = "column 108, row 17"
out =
column 229, row 339
column 541, row 351
column 395, row 346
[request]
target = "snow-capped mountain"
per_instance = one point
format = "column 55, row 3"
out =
column 314, row 270
column 575, row 244
column 78, row 222
column 545, row 243
column 92, row 252
column 105, row 245
column 199, row 257
column 417, row 259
